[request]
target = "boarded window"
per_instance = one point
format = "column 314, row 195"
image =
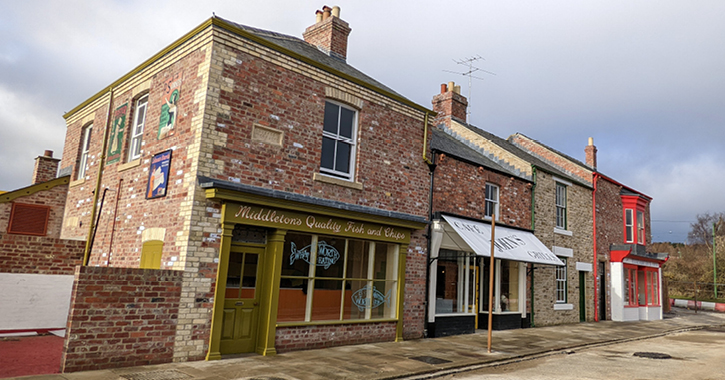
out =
column 28, row 219
column 151, row 254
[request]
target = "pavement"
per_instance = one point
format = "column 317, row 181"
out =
column 413, row 359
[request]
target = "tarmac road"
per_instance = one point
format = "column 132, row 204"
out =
column 693, row 355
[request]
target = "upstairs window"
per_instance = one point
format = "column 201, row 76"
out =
column 629, row 225
column 640, row 227
column 560, row 206
column 83, row 154
column 139, row 121
column 491, row 207
column 338, row 141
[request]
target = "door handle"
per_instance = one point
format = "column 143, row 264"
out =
column 240, row 303
column 256, row 303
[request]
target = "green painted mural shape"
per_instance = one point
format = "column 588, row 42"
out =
column 115, row 137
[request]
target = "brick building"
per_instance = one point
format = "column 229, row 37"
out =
column 36, row 265
column 472, row 189
column 628, row 278
column 288, row 188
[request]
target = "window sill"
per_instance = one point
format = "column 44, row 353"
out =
column 563, row 306
column 336, row 181
column 337, row 322
column 77, row 182
column 129, row 165
column 560, row 231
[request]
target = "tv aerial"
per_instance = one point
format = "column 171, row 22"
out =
column 469, row 61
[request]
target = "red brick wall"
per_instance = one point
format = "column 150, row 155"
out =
column 39, row 254
column 310, row 337
column 459, row 188
column 610, row 229
column 46, row 167
column 121, row 317
column 415, row 285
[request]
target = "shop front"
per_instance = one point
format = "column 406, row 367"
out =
column 636, row 283
column 287, row 265
column 459, row 279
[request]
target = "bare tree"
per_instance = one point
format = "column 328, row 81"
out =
column 701, row 230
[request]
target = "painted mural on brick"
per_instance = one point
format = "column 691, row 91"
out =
column 169, row 111
column 118, row 127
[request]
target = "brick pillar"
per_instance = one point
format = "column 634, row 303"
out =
column 329, row 33
column 450, row 103
column 46, row 167
column 591, row 154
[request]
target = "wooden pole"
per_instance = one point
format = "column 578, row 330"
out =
column 490, row 285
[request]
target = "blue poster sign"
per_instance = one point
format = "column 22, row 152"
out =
column 159, row 175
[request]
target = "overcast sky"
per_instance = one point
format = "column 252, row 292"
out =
column 645, row 79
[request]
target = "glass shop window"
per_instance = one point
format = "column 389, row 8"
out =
column 455, row 282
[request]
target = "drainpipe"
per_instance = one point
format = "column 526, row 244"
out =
column 91, row 227
column 432, row 168
column 425, row 141
column 596, row 263
column 533, row 225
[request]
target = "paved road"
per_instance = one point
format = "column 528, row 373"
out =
column 694, row 355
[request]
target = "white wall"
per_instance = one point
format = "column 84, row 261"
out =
column 617, row 297
column 34, row 301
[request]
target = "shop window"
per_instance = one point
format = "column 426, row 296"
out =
column 83, row 153
column 455, row 282
column 136, row 135
column 351, row 279
column 338, row 141
column 28, row 219
column 653, row 294
column 506, row 292
column 491, row 207
column 561, row 284
column 560, row 206
column 629, row 225
column 641, row 288
column 630, row 285
column 151, row 254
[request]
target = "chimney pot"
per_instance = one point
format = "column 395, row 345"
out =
column 444, row 88
column 48, row 153
column 336, row 11
column 451, row 86
column 326, row 12
column 318, row 16
column 457, row 90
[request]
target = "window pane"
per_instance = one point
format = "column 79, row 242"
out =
column 327, row 300
column 357, row 259
column 485, row 271
column 328, row 153
column 346, row 122
column 342, row 161
column 331, row 117
column 234, row 275
column 447, row 292
column 381, row 269
column 383, row 300
column 296, row 255
column 509, row 286
column 292, row 300
column 629, row 226
column 355, row 299
column 330, row 251
column 249, row 276
column 641, row 291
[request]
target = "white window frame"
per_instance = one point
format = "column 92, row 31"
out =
column 561, row 200
column 85, row 148
column 352, row 142
column 561, row 282
column 493, row 200
column 629, row 226
column 136, row 135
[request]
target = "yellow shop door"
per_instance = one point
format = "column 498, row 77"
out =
column 241, row 304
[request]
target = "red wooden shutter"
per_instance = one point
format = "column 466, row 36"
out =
column 28, row 219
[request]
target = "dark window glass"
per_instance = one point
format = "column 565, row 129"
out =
column 346, row 122
column 328, row 153
column 342, row 161
column 331, row 117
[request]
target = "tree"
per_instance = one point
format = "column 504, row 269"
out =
column 701, row 230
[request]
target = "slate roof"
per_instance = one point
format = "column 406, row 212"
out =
column 305, row 49
column 518, row 152
column 445, row 143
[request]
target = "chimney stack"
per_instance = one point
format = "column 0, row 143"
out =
column 46, row 167
column 450, row 103
column 591, row 154
column 329, row 33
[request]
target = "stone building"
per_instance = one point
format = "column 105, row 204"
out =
column 628, row 277
column 287, row 187
column 551, row 202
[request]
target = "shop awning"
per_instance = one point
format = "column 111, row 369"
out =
column 510, row 244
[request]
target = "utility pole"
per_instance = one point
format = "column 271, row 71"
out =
column 714, row 261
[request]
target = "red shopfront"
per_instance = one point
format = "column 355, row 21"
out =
column 636, row 283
